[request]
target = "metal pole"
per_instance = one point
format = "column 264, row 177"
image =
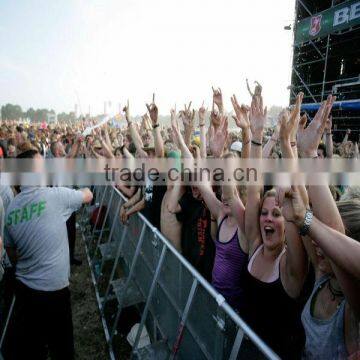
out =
column 103, row 224
column 305, row 7
column 111, row 230
column 149, row 297
column 116, row 260
column 128, row 279
column 183, row 319
column 7, row 321
column 326, row 62
column 325, row 68
column 303, row 82
column 237, row 344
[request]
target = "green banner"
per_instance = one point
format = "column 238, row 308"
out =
column 340, row 17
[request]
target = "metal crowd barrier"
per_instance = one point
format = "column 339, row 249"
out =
column 184, row 315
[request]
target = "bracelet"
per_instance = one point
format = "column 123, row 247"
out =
column 315, row 157
column 305, row 227
column 328, row 134
column 293, row 143
column 213, row 220
column 246, row 143
column 201, row 125
column 156, row 125
column 273, row 139
column 256, row 143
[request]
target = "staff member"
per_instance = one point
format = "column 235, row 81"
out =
column 36, row 241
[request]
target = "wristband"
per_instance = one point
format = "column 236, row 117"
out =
column 271, row 139
column 315, row 157
column 305, row 227
column 246, row 143
column 293, row 143
column 328, row 134
column 256, row 143
column 156, row 125
column 201, row 125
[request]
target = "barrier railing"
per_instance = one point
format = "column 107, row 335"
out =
column 185, row 317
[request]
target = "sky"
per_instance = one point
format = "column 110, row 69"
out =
column 55, row 54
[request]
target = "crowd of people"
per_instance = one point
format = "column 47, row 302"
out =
column 287, row 259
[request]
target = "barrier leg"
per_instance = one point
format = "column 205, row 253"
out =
column 149, row 298
column 131, row 272
column 237, row 343
column 118, row 253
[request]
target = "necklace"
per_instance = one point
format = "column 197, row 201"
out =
column 334, row 292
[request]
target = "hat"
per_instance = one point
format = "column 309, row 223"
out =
column 236, row 146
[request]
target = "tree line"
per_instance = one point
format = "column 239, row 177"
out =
column 15, row 112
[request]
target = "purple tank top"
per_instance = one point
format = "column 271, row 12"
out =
column 229, row 270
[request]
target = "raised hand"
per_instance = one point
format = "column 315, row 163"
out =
column 126, row 110
column 218, row 137
column 287, row 125
column 120, row 140
column 153, row 111
column 146, row 122
column 295, row 116
column 308, row 139
column 328, row 125
column 174, row 123
column 294, row 206
column 242, row 114
column 258, row 116
column 218, row 99
column 202, row 114
column 187, row 116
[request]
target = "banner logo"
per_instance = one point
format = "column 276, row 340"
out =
column 315, row 25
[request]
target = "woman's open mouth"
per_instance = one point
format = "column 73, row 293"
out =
column 269, row 230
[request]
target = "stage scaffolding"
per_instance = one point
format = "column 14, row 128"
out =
column 328, row 63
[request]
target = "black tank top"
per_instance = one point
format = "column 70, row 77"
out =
column 274, row 315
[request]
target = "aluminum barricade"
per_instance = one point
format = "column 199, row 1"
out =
column 184, row 315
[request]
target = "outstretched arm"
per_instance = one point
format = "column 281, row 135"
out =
column 185, row 152
column 342, row 251
column 202, row 112
column 158, row 140
column 176, row 192
column 296, row 263
column 242, row 121
column 328, row 139
column 134, row 133
column 257, row 122
column 187, row 116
